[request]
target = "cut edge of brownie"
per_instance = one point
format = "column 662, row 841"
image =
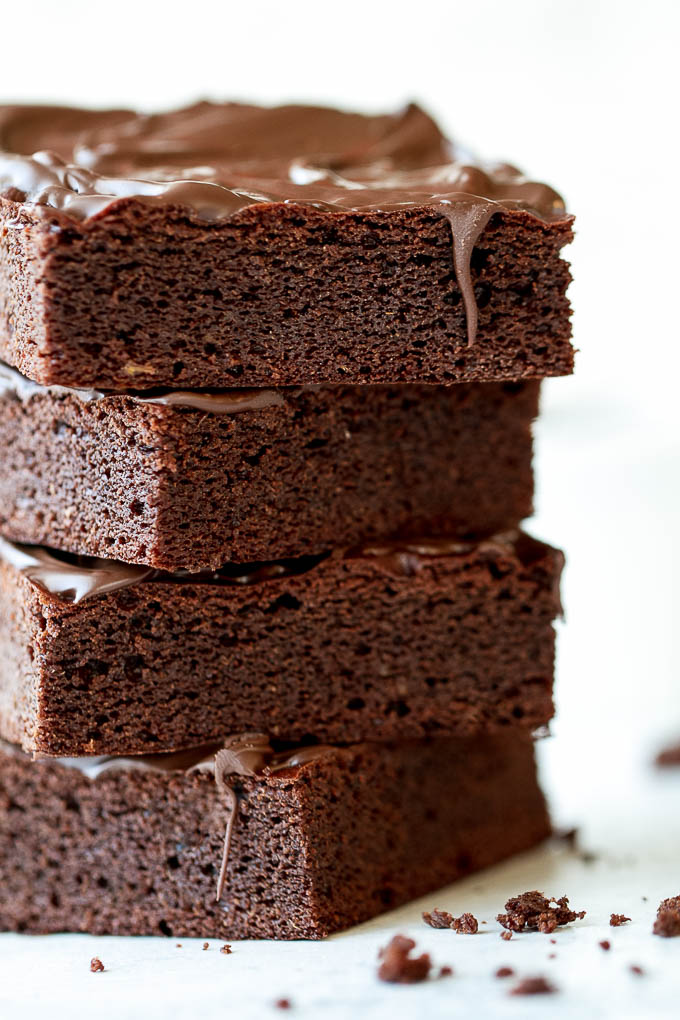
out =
column 69, row 864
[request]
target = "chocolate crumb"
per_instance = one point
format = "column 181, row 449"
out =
column 282, row 1003
column 226, row 950
column 504, row 972
column 507, row 935
column 554, row 941
column 178, row 945
column 636, row 969
column 206, row 945
column 398, row 966
column 534, row 911
column 466, row 924
column 667, row 922
column 438, row 918
column 445, row 971
column 533, row 986
column 616, row 920
column 96, row 965
column 605, row 944
column 668, row 757
column 567, row 836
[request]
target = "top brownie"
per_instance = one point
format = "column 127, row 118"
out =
column 226, row 244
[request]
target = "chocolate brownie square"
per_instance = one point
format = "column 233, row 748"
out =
column 320, row 838
column 227, row 244
column 192, row 480
column 380, row 642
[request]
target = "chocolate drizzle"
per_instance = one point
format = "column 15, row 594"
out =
column 212, row 401
column 216, row 160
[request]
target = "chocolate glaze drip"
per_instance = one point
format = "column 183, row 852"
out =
column 212, row 401
column 217, row 159
column 72, row 578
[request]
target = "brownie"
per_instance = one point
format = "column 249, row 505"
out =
column 392, row 641
column 192, row 480
column 227, row 244
column 135, row 847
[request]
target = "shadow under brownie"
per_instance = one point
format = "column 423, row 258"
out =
column 309, row 245
column 193, row 480
column 134, row 848
column 392, row 641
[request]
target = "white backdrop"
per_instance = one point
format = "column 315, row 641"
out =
column 583, row 94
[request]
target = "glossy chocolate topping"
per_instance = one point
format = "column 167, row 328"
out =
column 214, row 402
column 217, row 159
column 70, row 578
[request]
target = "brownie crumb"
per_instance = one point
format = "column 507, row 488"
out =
column 669, row 757
column 554, row 941
column 226, row 950
column 567, row 836
column 605, row 944
column 667, row 922
column 178, row 945
column 507, row 935
column 534, row 911
column 206, row 945
column 552, row 956
column 399, row 966
column 438, row 918
column 445, row 971
column 466, row 924
column 636, row 969
column 533, row 986
column 96, row 965
column 282, row 1003
column 504, row 972
column 616, row 920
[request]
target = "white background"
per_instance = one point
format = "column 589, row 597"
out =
column 585, row 95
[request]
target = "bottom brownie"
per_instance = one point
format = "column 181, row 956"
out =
column 322, row 838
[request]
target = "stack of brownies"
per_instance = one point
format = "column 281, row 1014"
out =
column 273, row 650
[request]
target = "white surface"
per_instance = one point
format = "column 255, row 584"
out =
column 583, row 94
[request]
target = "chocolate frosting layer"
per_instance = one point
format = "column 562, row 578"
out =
column 71, row 578
column 217, row 159
column 212, row 401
